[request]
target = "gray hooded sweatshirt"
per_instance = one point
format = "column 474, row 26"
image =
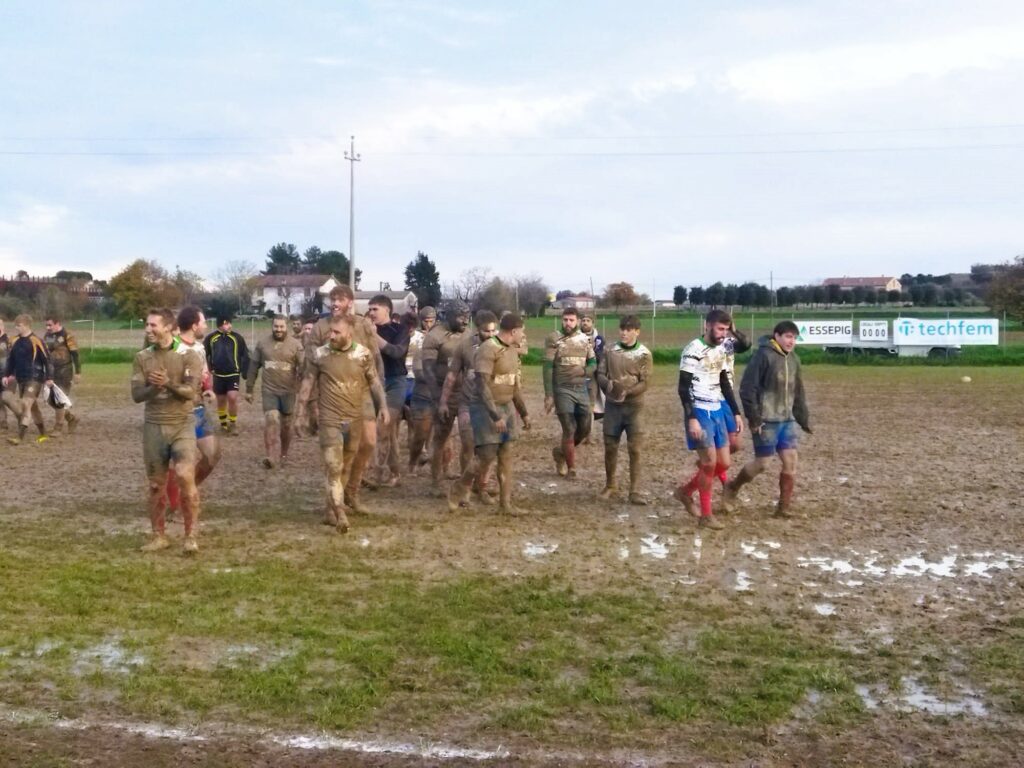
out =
column 772, row 388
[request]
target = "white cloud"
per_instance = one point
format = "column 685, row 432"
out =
column 802, row 77
column 33, row 219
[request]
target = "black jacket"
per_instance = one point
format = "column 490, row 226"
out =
column 28, row 360
column 227, row 354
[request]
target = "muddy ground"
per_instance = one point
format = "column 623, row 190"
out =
column 908, row 523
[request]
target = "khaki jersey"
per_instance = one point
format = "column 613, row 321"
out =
column 60, row 345
column 498, row 363
column 344, row 378
column 569, row 355
column 182, row 369
column 461, row 364
column 364, row 332
column 439, row 345
column 281, row 362
column 627, row 366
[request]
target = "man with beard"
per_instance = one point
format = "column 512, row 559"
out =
column 421, row 413
column 438, row 348
column 569, row 360
column 364, row 333
column 703, row 384
column 497, row 399
column 459, row 386
column 346, row 375
column 623, row 375
column 167, row 381
column 28, row 369
column 281, row 357
column 67, row 369
column 191, row 330
column 597, row 342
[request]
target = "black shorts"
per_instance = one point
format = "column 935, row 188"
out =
column 224, row 384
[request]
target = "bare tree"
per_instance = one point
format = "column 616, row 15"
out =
column 532, row 293
column 237, row 278
column 469, row 286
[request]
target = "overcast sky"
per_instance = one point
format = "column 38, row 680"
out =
column 657, row 142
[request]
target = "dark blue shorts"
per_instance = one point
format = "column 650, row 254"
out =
column 775, row 436
column 713, row 431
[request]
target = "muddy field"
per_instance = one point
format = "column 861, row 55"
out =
column 908, row 539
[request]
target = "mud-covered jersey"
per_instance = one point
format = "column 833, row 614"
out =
column 364, row 333
column 5, row 347
column 281, row 362
column 705, row 363
column 196, row 347
column 627, row 366
column 498, row 363
column 183, row 369
column 462, row 365
column 63, row 349
column 439, row 346
column 569, row 355
column 344, row 377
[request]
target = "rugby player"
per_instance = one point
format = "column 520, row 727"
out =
column 772, row 391
column 364, row 333
column 623, row 375
column 703, row 383
column 438, row 348
column 228, row 358
column 281, row 357
column 191, row 323
column 168, row 381
column 8, row 397
column 597, row 341
column 393, row 342
column 67, row 369
column 458, row 392
column 345, row 373
column 569, row 359
column 27, row 370
column 297, row 326
column 496, row 399
column 421, row 417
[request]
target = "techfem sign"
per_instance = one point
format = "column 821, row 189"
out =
column 981, row 330
column 824, row 331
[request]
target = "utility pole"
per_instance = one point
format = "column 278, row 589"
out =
column 352, row 158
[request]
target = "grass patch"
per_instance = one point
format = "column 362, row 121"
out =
column 334, row 639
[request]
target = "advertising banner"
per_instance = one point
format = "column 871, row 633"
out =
column 946, row 331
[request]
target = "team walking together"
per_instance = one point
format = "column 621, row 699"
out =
column 352, row 380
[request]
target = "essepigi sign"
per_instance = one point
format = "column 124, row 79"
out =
column 974, row 330
column 824, row 331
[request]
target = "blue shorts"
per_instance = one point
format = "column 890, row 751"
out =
column 713, row 431
column 204, row 427
column 410, row 385
column 775, row 436
column 730, row 417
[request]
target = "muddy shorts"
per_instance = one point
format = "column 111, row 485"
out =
column 410, row 385
column 623, row 417
column 369, row 412
column 285, row 404
column 574, row 400
column 775, row 436
column 421, row 403
column 484, row 432
column 29, row 388
column 224, row 384
column 205, row 425
column 63, row 377
column 394, row 392
column 729, row 416
column 347, row 434
column 713, row 431
column 163, row 442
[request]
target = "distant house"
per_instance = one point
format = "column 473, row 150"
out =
column 287, row 294
column 580, row 302
column 877, row 283
column 402, row 302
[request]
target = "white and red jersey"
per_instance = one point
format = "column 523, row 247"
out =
column 200, row 350
column 705, row 363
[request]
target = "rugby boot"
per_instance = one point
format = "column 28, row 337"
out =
column 158, row 542
column 637, row 500
column 783, row 510
column 686, row 500
column 191, row 546
column 458, row 497
column 268, row 463
column 42, row 439
column 330, row 518
column 712, row 522
column 342, row 526
column 608, row 493
column 559, row 456
column 484, row 497
column 72, row 422
column 355, row 505
column 729, row 493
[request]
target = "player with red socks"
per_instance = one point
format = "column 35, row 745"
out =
column 773, row 397
column 703, row 385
